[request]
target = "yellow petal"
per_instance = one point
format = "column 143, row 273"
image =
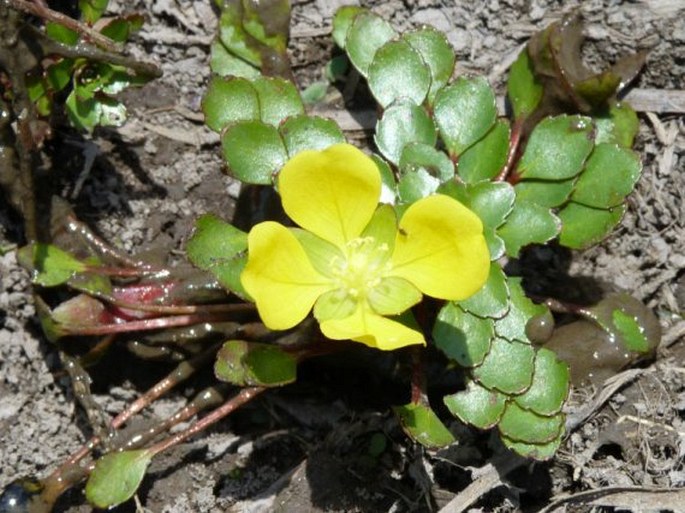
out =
column 279, row 276
column 332, row 193
column 371, row 329
column 440, row 248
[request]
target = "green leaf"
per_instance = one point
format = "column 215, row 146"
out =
column 628, row 323
column 219, row 248
column 309, row 133
column 224, row 63
column 513, row 325
column 116, row 477
column 582, row 227
column 525, row 426
column 366, row 35
column 485, row 159
column 59, row 74
column 278, row 99
column 254, row 364
column 92, row 283
column 492, row 300
column 402, row 124
column 61, row 34
column 421, row 423
column 463, row 337
column 464, row 112
column 545, row 193
column 414, row 185
column 228, row 101
column 540, row 452
column 315, row 92
column 551, row 383
column 83, row 114
column 619, row 126
column 477, row 406
column 436, row 52
column 254, row 151
column 508, row 367
column 234, row 37
column 393, row 60
column 92, row 10
column 49, row 265
column 268, row 23
column 631, row 332
column 609, row 176
column 120, row 29
column 342, row 20
column 528, row 223
column 523, row 89
column 416, row 156
column 557, row 148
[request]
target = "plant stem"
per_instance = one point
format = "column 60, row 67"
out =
column 243, row 397
column 57, row 17
column 144, row 324
column 514, row 143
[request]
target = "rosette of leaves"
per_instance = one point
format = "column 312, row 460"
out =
column 91, row 85
column 513, row 386
column 262, row 123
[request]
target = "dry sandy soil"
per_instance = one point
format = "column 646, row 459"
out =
column 314, row 446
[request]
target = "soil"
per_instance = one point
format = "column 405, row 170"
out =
column 318, row 445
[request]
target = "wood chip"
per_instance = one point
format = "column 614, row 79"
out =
column 625, row 498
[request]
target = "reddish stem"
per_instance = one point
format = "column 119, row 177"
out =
column 514, row 142
column 243, row 397
column 144, row 324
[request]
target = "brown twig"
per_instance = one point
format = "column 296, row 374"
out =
column 48, row 14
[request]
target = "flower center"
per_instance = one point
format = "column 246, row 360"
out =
column 364, row 265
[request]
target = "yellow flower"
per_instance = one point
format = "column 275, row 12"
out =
column 351, row 261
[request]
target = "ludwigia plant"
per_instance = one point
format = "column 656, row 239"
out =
column 399, row 246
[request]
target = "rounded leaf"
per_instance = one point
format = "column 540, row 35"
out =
column 278, row 99
column 540, row 452
column 582, row 226
column 609, row 176
column 619, row 126
column 393, row 60
column 477, row 406
column 493, row 299
column 421, row 423
column 513, row 325
column 228, row 101
column 463, row 337
column 557, row 148
column 225, row 64
column 366, row 35
column 545, row 193
column 219, row 247
column 508, row 367
column 523, row 89
column 415, row 185
column 342, row 20
column 310, row 133
column 254, row 151
column 254, row 364
column 551, row 383
column 485, row 159
column 528, row 223
column 525, row 426
column 402, row 124
column 464, row 112
column 417, row 156
column 436, row 52
column 116, row 477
